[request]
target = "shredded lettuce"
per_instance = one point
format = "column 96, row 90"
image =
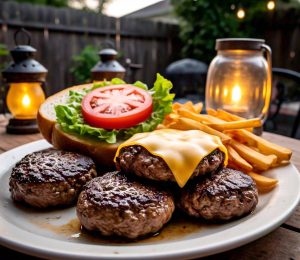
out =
column 70, row 119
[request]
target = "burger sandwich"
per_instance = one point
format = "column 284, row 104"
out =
column 94, row 119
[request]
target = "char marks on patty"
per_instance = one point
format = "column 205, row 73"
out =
column 117, row 205
column 51, row 165
column 223, row 195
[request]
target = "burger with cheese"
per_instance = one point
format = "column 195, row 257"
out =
column 171, row 155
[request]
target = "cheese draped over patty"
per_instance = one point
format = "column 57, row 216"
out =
column 181, row 150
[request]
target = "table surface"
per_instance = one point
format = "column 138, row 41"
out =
column 283, row 243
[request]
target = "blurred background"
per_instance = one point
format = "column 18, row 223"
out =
column 173, row 37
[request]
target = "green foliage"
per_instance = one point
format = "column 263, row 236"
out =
column 204, row 21
column 57, row 3
column 3, row 52
column 84, row 62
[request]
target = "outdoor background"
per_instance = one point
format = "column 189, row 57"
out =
column 69, row 34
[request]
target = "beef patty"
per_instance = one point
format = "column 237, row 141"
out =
column 50, row 177
column 136, row 159
column 223, row 195
column 116, row 205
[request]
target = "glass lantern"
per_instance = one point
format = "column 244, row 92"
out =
column 24, row 78
column 239, row 78
column 24, row 99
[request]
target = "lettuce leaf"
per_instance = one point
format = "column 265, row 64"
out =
column 70, row 119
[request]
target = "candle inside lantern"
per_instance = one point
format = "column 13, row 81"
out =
column 236, row 94
column 234, row 103
column 24, row 99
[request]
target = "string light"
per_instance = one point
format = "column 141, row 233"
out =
column 241, row 13
column 271, row 5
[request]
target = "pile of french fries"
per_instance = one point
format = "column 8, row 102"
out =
column 246, row 151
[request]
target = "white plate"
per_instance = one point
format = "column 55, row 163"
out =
column 41, row 233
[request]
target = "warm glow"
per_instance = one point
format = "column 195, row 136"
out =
column 225, row 92
column 271, row 5
column 236, row 94
column 24, row 99
column 217, row 90
column 241, row 13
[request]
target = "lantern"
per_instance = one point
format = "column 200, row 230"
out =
column 239, row 78
column 24, row 78
column 108, row 68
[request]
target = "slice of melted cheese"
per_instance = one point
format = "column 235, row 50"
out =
column 181, row 150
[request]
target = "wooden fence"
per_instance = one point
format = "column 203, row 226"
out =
column 60, row 33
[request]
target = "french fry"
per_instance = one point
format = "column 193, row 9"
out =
column 190, row 124
column 212, row 112
column 173, row 116
column 242, row 140
column 198, row 107
column 161, row 126
column 265, row 146
column 238, row 160
column 233, row 166
column 226, row 116
column 176, row 106
column 188, row 105
column 170, row 118
column 254, row 122
column 199, row 117
column 281, row 163
column 263, row 183
column 220, row 113
column 257, row 160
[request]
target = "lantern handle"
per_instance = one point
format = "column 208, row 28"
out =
column 27, row 33
column 268, row 53
column 108, row 44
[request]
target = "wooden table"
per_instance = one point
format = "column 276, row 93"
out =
column 283, row 243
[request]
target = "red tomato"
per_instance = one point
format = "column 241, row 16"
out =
column 117, row 106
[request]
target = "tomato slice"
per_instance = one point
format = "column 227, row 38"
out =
column 116, row 107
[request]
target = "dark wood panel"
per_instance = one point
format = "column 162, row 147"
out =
column 8, row 141
column 294, row 221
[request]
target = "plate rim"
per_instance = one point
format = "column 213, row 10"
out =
column 222, row 246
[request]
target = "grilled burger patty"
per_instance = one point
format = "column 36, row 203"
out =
column 223, row 195
column 50, row 177
column 117, row 205
column 136, row 159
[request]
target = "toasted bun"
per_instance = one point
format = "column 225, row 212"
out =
column 101, row 152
